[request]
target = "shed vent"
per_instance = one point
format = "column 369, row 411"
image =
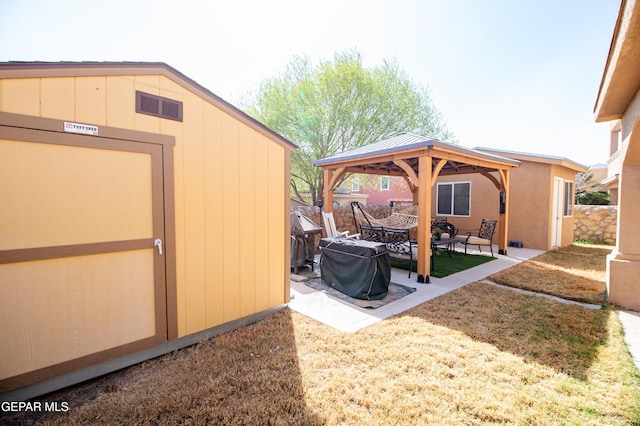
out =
column 172, row 109
column 158, row 106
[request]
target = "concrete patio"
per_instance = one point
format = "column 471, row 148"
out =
column 350, row 318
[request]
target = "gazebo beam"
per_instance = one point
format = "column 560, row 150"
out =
column 408, row 170
column 437, row 170
column 357, row 164
column 331, row 178
column 492, row 179
column 410, row 184
column 337, row 173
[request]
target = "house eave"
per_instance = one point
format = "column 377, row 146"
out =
column 620, row 80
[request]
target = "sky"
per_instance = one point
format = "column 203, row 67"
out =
column 518, row 75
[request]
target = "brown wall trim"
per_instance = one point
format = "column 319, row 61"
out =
column 64, row 367
column 170, row 244
column 53, row 125
column 56, row 252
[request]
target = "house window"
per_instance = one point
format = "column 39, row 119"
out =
column 568, row 198
column 384, row 183
column 453, row 199
column 355, row 184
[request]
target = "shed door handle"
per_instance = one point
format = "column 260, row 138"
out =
column 158, row 243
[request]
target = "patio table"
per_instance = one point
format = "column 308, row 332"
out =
column 448, row 243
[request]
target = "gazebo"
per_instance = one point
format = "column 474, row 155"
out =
column 420, row 160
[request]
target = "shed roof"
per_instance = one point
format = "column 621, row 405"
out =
column 89, row 68
column 537, row 158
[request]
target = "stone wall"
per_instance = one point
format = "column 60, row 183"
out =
column 344, row 217
column 592, row 223
column 595, row 223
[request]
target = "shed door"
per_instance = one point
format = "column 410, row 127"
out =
column 556, row 213
column 80, row 277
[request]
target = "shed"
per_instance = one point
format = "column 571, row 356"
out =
column 140, row 214
column 541, row 202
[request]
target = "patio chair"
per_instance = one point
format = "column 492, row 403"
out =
column 330, row 227
column 479, row 237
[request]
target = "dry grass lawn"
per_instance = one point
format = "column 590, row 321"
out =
column 575, row 272
column 478, row 355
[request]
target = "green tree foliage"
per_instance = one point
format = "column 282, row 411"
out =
column 585, row 191
column 337, row 105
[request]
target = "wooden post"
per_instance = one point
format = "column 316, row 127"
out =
column 424, row 218
column 503, row 218
column 328, row 192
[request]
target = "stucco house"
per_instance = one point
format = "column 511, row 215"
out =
column 618, row 102
column 123, row 234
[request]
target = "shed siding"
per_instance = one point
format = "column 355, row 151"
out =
column 214, row 284
column 275, row 275
column 21, row 96
column 192, row 169
column 229, row 188
column 57, row 98
column 90, row 102
column 246, row 231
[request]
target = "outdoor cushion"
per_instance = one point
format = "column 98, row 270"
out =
column 483, row 237
column 478, row 241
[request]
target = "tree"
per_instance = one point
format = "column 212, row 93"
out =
column 585, row 191
column 337, row 105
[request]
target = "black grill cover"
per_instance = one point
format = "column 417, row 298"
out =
column 358, row 268
column 303, row 232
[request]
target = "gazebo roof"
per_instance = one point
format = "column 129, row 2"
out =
column 420, row 161
column 380, row 157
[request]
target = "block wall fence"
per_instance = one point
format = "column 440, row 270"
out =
column 596, row 223
column 592, row 223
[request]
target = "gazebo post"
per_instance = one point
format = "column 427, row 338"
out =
column 503, row 218
column 327, row 191
column 424, row 218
